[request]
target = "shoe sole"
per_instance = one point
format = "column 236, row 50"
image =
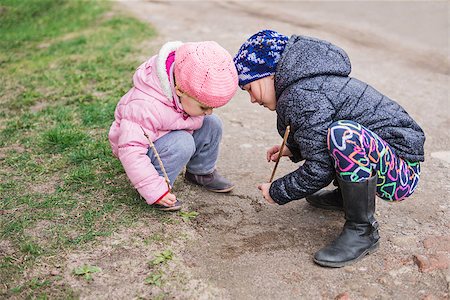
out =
column 176, row 207
column 222, row 191
column 211, row 190
column 169, row 208
column 349, row 262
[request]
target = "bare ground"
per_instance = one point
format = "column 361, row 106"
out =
column 241, row 248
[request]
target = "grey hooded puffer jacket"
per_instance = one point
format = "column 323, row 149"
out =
column 313, row 90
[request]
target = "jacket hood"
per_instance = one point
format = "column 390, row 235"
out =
column 151, row 76
column 306, row 57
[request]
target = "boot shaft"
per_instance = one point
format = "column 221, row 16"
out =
column 359, row 200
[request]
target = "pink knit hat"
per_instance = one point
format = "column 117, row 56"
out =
column 206, row 72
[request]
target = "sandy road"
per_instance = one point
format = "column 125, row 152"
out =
column 249, row 250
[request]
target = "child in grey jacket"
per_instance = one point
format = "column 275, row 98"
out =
column 341, row 128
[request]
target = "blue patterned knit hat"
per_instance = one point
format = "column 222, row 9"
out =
column 259, row 55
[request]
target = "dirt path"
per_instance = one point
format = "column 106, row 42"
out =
column 240, row 248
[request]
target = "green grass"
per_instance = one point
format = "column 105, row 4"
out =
column 64, row 65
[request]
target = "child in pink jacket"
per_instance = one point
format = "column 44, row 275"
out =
column 172, row 100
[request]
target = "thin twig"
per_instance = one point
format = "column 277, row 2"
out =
column 286, row 134
column 158, row 158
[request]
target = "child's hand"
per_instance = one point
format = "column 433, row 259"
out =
column 168, row 200
column 272, row 153
column 264, row 188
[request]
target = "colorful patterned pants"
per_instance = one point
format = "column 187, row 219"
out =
column 358, row 153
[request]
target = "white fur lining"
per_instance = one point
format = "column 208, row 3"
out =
column 166, row 49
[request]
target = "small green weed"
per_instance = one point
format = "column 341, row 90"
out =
column 37, row 283
column 188, row 215
column 154, row 279
column 154, row 238
column 86, row 271
column 162, row 257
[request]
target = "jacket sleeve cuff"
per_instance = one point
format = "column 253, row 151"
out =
column 152, row 193
column 276, row 195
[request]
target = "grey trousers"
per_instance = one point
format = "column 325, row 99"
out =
column 198, row 151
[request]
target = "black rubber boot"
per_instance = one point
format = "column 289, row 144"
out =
column 326, row 199
column 359, row 236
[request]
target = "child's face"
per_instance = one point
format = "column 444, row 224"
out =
column 262, row 91
column 191, row 106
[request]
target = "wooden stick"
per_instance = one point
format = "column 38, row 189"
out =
column 286, row 134
column 159, row 159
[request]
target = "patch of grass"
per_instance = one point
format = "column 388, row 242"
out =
column 81, row 175
column 27, row 98
column 90, row 152
column 41, row 288
column 16, row 125
column 63, row 137
column 30, row 248
column 7, row 185
column 33, row 284
column 97, row 114
column 15, row 226
column 64, row 65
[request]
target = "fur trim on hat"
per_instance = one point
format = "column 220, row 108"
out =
column 164, row 52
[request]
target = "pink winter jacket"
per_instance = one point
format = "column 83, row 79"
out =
column 148, row 104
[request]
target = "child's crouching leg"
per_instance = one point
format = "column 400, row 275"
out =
column 398, row 179
column 201, row 169
column 340, row 143
column 349, row 146
column 175, row 150
column 207, row 140
column 359, row 153
column 366, row 166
